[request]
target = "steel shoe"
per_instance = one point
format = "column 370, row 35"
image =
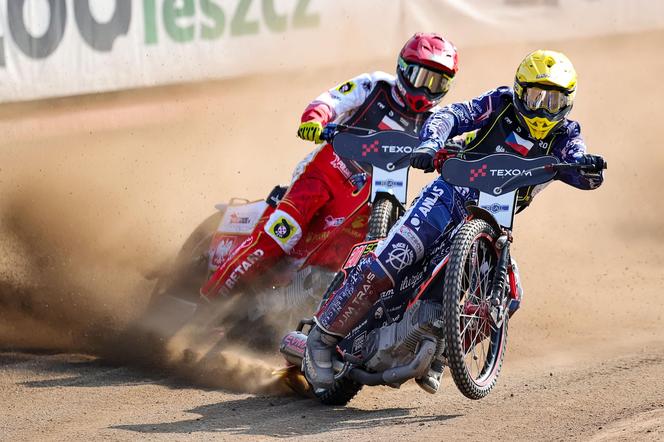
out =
column 317, row 363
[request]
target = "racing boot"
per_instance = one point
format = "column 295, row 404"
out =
column 343, row 311
column 317, row 363
column 430, row 382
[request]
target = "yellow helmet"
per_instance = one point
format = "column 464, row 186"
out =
column 544, row 90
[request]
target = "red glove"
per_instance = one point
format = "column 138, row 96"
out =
column 441, row 156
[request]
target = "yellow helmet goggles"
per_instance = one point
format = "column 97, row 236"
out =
column 551, row 100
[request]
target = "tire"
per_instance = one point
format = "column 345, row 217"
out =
column 174, row 297
column 340, row 393
column 469, row 336
column 189, row 269
column 383, row 217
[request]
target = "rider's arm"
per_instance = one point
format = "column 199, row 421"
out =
column 458, row 118
column 342, row 99
column 572, row 149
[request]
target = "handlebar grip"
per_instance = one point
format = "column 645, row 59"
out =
column 565, row 166
column 329, row 131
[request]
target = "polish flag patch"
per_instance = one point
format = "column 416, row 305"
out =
column 389, row 124
column 521, row 145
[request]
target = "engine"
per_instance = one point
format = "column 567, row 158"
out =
column 396, row 344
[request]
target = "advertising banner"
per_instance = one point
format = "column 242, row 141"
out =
column 66, row 47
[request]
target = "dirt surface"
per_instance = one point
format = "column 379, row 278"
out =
column 96, row 193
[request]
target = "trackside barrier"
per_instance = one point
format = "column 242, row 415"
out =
column 66, row 47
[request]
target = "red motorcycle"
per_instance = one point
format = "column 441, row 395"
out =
column 293, row 287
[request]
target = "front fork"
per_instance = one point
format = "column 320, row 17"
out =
column 500, row 298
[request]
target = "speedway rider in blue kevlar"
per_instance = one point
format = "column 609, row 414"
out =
column 530, row 121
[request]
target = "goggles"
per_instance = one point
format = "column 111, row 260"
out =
column 421, row 77
column 535, row 98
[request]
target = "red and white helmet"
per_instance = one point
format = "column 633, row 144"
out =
column 426, row 67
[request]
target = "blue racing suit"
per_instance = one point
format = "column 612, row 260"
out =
column 440, row 206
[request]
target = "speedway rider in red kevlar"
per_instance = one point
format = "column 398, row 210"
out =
column 324, row 192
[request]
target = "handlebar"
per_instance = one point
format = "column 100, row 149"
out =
column 332, row 129
column 547, row 168
column 556, row 168
column 568, row 166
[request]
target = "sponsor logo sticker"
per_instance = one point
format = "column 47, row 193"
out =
column 346, row 88
column 411, row 237
column 429, row 201
column 354, row 256
column 358, row 343
column 370, row 148
column 476, row 173
column 332, row 222
column 222, row 251
column 283, row 229
column 389, row 183
column 234, row 218
column 495, row 208
column 400, row 256
column 338, row 164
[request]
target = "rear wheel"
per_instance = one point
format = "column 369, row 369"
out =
column 340, row 393
column 475, row 347
column 174, row 298
column 184, row 277
column 383, row 217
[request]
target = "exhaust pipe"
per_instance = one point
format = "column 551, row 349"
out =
column 398, row 375
column 292, row 347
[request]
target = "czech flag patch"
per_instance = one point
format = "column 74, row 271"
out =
column 521, row 145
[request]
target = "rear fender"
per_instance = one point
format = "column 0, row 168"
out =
column 477, row 212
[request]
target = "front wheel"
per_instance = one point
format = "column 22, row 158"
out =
column 475, row 347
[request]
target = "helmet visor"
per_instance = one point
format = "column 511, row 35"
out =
column 551, row 100
column 422, row 77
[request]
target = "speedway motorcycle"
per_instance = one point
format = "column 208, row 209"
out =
column 290, row 289
column 453, row 308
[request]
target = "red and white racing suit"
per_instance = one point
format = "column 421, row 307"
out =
column 322, row 196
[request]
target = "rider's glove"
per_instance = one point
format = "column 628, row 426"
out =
column 441, row 156
column 422, row 156
column 596, row 161
column 310, row 131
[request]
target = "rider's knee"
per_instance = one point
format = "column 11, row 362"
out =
column 284, row 229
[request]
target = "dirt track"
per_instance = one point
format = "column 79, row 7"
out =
column 89, row 208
